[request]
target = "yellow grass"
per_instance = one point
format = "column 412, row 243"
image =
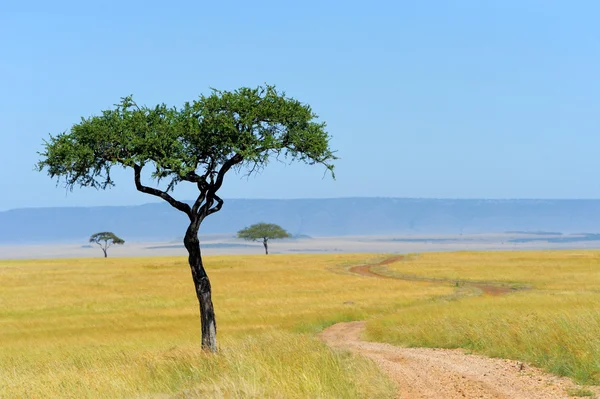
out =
column 129, row 327
column 554, row 270
column 119, row 328
column 554, row 325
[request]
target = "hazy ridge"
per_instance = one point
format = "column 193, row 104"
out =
column 315, row 217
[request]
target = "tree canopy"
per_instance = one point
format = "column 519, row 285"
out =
column 262, row 231
column 197, row 143
column 105, row 240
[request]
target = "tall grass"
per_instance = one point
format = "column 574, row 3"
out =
column 119, row 328
column 273, row 365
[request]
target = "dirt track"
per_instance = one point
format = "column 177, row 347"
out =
column 448, row 374
column 486, row 287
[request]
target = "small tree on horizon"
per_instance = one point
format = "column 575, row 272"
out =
column 105, row 240
column 264, row 232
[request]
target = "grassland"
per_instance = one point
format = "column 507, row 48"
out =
column 555, row 324
column 114, row 328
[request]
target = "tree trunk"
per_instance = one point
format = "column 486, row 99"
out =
column 104, row 250
column 202, row 285
column 266, row 247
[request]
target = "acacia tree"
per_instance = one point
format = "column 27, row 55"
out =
column 197, row 143
column 264, row 232
column 106, row 239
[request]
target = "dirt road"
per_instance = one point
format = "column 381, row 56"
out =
column 448, row 374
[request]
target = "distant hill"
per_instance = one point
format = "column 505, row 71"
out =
column 314, row 217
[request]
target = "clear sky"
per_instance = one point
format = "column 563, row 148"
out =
column 445, row 99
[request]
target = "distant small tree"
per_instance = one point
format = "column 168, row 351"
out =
column 106, row 239
column 264, row 232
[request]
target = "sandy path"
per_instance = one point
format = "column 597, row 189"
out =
column 443, row 373
column 448, row 374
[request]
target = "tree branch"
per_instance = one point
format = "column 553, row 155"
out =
column 199, row 200
column 193, row 177
column 218, row 207
column 237, row 158
column 183, row 207
column 209, row 189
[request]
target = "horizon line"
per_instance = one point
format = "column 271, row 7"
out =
column 312, row 199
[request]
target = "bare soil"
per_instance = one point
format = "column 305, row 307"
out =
column 365, row 270
column 487, row 288
column 450, row 374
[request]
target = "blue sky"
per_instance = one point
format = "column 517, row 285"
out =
column 445, row 99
